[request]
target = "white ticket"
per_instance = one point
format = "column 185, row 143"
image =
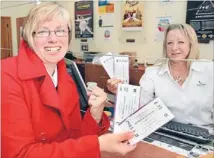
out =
column 108, row 63
column 127, row 102
column 121, row 68
column 116, row 66
column 146, row 120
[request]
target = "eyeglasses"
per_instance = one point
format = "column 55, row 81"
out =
column 46, row 33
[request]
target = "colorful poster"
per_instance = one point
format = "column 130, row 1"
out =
column 162, row 23
column 84, row 19
column 106, row 13
column 132, row 15
column 200, row 15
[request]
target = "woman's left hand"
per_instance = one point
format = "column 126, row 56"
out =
column 97, row 99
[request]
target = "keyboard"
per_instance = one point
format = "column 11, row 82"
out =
column 169, row 140
column 187, row 131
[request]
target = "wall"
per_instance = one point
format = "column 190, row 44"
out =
column 145, row 46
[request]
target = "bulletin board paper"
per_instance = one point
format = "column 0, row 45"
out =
column 162, row 23
column 106, row 13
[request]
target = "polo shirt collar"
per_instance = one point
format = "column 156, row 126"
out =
column 196, row 66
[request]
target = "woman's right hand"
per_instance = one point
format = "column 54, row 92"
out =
column 112, row 84
column 116, row 143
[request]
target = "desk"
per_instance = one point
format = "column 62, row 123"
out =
column 145, row 150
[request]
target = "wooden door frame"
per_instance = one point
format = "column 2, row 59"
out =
column 11, row 44
column 19, row 23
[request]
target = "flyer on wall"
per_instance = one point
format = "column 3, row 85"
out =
column 200, row 15
column 132, row 15
column 162, row 23
column 84, row 19
column 106, row 13
column 107, row 34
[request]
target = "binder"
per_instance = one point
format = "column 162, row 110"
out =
column 73, row 71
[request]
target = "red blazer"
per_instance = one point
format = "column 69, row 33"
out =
column 37, row 120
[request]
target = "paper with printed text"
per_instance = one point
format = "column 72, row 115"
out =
column 142, row 121
column 116, row 66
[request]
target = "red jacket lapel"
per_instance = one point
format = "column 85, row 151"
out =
column 66, row 99
column 30, row 67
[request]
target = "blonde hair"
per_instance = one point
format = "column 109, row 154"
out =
column 42, row 13
column 190, row 33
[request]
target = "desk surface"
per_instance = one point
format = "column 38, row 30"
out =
column 145, row 150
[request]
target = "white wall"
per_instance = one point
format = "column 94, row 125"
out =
column 145, row 44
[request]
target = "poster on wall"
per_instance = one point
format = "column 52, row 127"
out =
column 200, row 15
column 162, row 23
column 106, row 13
column 132, row 15
column 84, row 19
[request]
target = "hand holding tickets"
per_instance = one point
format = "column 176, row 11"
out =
column 144, row 120
column 112, row 84
column 116, row 143
column 96, row 100
column 116, row 66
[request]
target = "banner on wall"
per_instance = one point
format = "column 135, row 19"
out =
column 106, row 13
column 200, row 15
column 84, row 19
column 132, row 15
column 162, row 23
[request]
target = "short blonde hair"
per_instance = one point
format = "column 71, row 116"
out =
column 190, row 33
column 43, row 12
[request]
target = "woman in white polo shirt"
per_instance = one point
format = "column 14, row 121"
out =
column 186, row 87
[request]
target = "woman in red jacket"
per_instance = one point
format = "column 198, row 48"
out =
column 40, row 103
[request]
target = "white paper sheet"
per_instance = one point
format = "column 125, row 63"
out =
column 108, row 63
column 121, row 68
column 127, row 102
column 116, row 66
column 142, row 121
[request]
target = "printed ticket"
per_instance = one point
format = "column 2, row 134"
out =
column 116, row 66
column 142, row 121
column 127, row 102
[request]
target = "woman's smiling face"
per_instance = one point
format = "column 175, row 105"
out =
column 51, row 40
column 177, row 45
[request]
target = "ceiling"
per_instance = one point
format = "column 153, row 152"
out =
column 8, row 3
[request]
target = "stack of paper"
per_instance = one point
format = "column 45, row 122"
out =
column 116, row 66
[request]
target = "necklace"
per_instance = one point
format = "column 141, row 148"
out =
column 178, row 79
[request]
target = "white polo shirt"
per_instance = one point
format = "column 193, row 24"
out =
column 193, row 102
